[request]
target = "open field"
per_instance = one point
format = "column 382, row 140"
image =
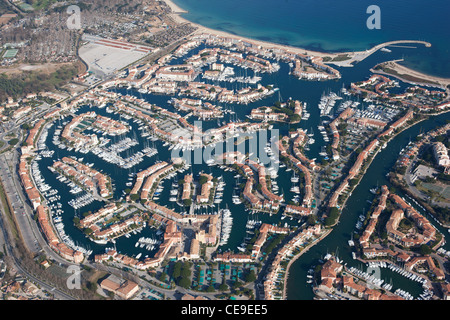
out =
column 442, row 190
column 45, row 68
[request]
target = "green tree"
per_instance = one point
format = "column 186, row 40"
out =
column 311, row 219
column 177, row 269
column 186, row 271
column 13, row 142
column 91, row 286
column 294, row 118
column 223, row 287
column 134, row 197
column 236, row 284
column 184, row 282
column 162, row 277
column 203, row 179
column 425, row 250
column 353, row 182
column 250, row 276
column 333, row 215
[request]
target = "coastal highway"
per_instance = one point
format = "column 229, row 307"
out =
column 20, row 209
column 23, row 213
column 16, row 265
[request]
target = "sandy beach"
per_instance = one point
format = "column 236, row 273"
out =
column 354, row 56
column 404, row 73
column 176, row 11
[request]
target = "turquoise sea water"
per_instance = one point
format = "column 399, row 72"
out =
column 334, row 25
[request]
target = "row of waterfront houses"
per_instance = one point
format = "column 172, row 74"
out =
column 42, row 212
column 284, row 253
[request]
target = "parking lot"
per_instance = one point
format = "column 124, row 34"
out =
column 148, row 294
column 106, row 59
column 205, row 275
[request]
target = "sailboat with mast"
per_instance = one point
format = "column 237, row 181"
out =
column 235, row 198
column 294, row 178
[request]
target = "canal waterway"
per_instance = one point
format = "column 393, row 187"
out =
column 309, row 92
column 357, row 204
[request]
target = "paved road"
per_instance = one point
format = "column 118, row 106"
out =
column 21, row 210
column 31, row 235
column 7, row 241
